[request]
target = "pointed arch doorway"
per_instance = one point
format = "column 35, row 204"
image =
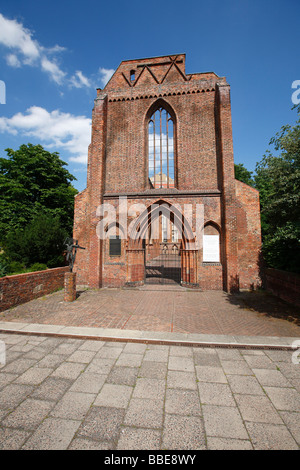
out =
column 164, row 239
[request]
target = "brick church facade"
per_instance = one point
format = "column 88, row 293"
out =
column 161, row 162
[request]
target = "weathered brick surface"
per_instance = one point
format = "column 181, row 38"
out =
column 118, row 166
column 284, row 285
column 21, row 288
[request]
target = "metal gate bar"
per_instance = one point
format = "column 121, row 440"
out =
column 164, row 268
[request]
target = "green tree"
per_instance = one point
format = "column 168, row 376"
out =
column 242, row 174
column 41, row 241
column 33, row 180
column 278, row 181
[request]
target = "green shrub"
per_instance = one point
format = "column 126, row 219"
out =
column 37, row 267
column 16, row 267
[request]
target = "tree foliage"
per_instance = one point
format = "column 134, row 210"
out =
column 278, row 181
column 33, row 180
column 36, row 206
column 242, row 174
column 41, row 241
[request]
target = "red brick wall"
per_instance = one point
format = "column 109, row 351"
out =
column 118, row 165
column 21, row 288
column 284, row 285
column 249, row 235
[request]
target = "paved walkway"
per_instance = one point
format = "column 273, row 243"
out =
column 150, row 369
column 175, row 310
column 67, row 393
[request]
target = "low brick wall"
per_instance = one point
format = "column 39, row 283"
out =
column 21, row 288
column 284, row 285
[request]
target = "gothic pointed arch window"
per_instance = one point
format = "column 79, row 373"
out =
column 161, row 146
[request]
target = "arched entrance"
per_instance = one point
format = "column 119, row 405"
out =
column 161, row 248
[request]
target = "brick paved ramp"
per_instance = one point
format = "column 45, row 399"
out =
column 58, row 393
column 167, row 310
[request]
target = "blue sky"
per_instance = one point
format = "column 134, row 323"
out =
column 53, row 56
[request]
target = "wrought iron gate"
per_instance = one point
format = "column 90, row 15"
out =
column 164, row 268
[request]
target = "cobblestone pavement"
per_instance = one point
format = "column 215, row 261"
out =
column 169, row 310
column 63, row 393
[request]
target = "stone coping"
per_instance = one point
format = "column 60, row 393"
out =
column 151, row 337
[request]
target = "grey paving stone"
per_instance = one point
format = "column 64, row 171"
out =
column 183, row 351
column 36, row 353
column 259, row 362
column 88, row 383
column 18, row 366
column 245, row 384
column 13, row 394
column 73, row 406
column 215, row 394
column 204, row 359
column 279, row 356
column 181, row 380
column 88, row 444
column 149, row 388
column 66, row 348
column 272, row 378
column 292, row 420
column 52, row 434
column 184, row 364
column 12, row 439
column 53, row 388
column 28, row 415
column 51, row 361
column 289, row 370
column 270, row 437
column 116, row 396
column 218, row 443
column 295, row 383
column 285, row 399
column 100, row 366
column 251, row 352
column 210, row 374
column 84, row 357
column 68, row 370
column 102, row 423
column 156, row 355
column 258, row 409
column 34, row 376
column 153, row 370
column 135, row 348
column 6, row 379
column 183, row 432
column 139, row 439
column 182, row 402
column 129, row 360
column 236, row 367
column 90, row 345
column 223, row 421
column 229, row 354
column 123, row 375
column 144, row 413
column 107, row 352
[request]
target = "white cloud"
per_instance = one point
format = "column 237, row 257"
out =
column 105, row 75
column 27, row 51
column 24, row 50
column 55, row 130
column 52, row 68
column 14, row 36
column 13, row 61
column 78, row 80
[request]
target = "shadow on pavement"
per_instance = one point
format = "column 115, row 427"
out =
column 266, row 304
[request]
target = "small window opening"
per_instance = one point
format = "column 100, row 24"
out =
column 132, row 75
column 115, row 246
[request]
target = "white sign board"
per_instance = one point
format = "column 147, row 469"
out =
column 211, row 248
